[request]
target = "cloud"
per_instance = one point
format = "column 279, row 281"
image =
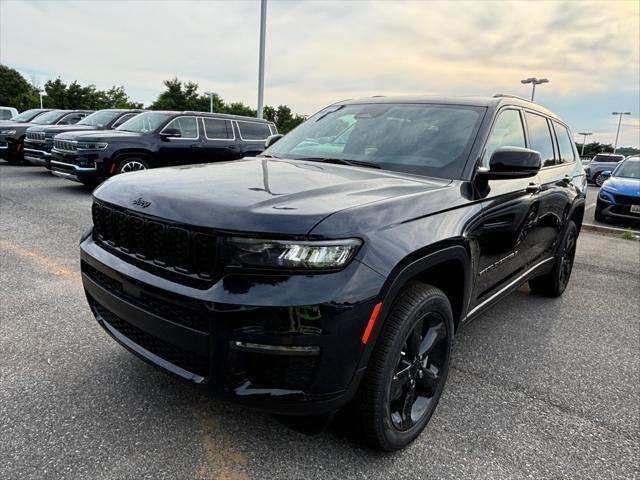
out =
column 322, row 51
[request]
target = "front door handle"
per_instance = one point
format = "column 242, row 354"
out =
column 533, row 188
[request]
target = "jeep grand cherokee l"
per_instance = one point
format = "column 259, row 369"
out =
column 39, row 139
column 337, row 266
column 157, row 139
column 12, row 134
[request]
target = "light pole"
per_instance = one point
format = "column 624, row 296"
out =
column 615, row 145
column 535, row 81
column 584, row 140
column 211, row 94
column 263, row 28
column 40, row 92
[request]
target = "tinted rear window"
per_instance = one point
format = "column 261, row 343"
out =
column 607, row 158
column 254, row 131
column 217, row 129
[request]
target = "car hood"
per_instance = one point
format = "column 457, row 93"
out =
column 257, row 195
column 16, row 126
column 95, row 135
column 64, row 128
column 623, row 186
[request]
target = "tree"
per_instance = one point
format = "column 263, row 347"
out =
column 15, row 91
column 177, row 97
column 55, row 94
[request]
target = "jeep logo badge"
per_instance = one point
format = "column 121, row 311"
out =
column 141, row 202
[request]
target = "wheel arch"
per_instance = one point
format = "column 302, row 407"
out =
column 129, row 153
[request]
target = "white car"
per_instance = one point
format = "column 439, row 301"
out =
column 7, row 113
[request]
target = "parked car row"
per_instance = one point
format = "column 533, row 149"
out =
column 89, row 147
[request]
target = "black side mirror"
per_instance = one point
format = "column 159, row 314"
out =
column 272, row 139
column 511, row 162
column 606, row 174
column 170, row 133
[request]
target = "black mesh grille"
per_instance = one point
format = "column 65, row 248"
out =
column 177, row 248
column 188, row 317
column 189, row 361
column 627, row 200
column 279, row 371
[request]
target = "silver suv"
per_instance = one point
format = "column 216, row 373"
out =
column 601, row 163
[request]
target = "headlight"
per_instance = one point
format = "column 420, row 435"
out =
column 605, row 196
column 7, row 132
column 91, row 146
column 294, row 255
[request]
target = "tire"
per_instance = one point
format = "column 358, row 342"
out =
column 132, row 164
column 395, row 378
column 555, row 282
column 598, row 179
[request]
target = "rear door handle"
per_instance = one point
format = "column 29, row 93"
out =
column 533, row 188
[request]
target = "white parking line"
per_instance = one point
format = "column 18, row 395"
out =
column 591, row 206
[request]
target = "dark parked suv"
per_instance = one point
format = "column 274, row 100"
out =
column 157, row 139
column 12, row 134
column 39, row 139
column 336, row 267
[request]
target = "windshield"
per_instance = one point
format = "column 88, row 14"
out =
column 607, row 158
column 628, row 169
column 26, row 115
column 49, row 118
column 99, row 119
column 145, row 122
column 426, row 139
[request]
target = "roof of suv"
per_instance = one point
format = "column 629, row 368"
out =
column 495, row 102
column 212, row 115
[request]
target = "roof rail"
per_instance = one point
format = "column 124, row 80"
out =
column 507, row 95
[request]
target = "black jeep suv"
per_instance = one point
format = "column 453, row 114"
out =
column 12, row 134
column 39, row 139
column 337, row 266
column 157, row 139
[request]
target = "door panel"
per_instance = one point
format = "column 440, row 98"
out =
column 183, row 150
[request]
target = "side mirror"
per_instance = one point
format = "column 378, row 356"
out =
column 511, row 162
column 606, row 174
column 272, row 139
column 170, row 133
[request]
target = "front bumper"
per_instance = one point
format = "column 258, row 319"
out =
column 301, row 358
column 86, row 168
column 38, row 153
column 617, row 210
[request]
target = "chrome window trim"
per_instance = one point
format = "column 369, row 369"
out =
column 183, row 138
column 230, row 122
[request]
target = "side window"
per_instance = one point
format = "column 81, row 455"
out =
column 508, row 131
column 540, row 138
column 71, row 119
column 254, row 131
column 565, row 144
column 123, row 119
column 5, row 115
column 217, row 129
column 188, row 127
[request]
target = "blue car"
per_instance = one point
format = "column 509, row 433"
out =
column 619, row 196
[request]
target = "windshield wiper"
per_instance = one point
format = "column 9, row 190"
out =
column 341, row 161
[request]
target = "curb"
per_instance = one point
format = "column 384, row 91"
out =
column 609, row 230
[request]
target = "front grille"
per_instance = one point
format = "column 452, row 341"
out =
column 189, row 361
column 627, row 199
column 174, row 312
column 165, row 245
column 65, row 145
column 36, row 136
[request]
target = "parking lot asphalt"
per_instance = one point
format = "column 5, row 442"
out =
column 539, row 388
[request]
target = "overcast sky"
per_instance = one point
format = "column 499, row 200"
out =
column 319, row 52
